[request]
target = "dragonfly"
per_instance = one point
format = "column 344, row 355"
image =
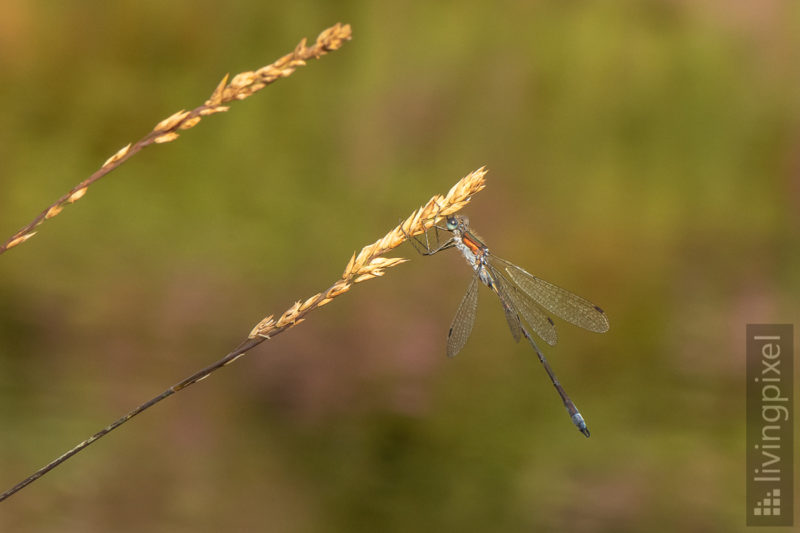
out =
column 526, row 301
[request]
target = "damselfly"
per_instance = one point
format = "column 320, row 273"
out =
column 524, row 297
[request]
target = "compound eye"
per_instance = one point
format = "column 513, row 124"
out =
column 452, row 223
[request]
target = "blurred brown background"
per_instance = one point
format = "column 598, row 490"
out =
column 642, row 154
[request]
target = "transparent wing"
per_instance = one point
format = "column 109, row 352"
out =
column 512, row 317
column 522, row 304
column 464, row 320
column 558, row 301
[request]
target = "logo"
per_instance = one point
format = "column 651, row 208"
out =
column 770, row 425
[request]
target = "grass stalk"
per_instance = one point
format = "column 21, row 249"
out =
column 242, row 86
column 367, row 264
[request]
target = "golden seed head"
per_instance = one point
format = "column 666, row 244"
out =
column 190, row 123
column 368, row 263
column 171, row 121
column 119, row 155
column 261, row 327
column 77, row 195
column 20, row 239
column 211, row 110
column 53, row 211
column 166, row 137
column 242, row 79
column 216, row 97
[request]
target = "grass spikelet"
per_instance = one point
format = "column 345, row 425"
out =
column 53, row 211
column 20, row 239
column 119, row 155
column 77, row 195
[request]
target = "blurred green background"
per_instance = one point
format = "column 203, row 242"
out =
column 644, row 154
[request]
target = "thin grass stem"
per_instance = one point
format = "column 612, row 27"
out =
column 240, row 87
column 367, row 264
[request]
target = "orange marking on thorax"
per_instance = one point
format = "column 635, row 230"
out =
column 475, row 246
